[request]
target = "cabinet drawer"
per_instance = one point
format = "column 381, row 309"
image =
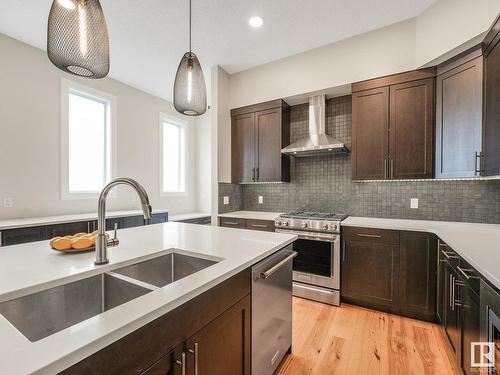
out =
column 264, row 225
column 389, row 237
column 233, row 222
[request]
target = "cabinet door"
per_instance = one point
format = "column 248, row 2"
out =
column 269, row 157
column 459, row 120
column 68, row 229
column 133, row 221
column 223, row 346
column 411, row 129
column 491, row 132
column 233, row 222
column 470, row 327
column 160, row 218
column 119, row 222
column 440, row 300
column 417, row 275
column 243, row 158
column 370, row 272
column 370, row 124
column 451, row 312
column 23, row 235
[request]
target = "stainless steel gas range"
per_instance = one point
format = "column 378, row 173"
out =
column 316, row 268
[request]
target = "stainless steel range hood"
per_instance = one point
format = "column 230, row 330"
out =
column 318, row 142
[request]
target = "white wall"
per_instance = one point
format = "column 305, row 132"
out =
column 30, row 138
column 377, row 53
column 448, row 23
column 223, row 125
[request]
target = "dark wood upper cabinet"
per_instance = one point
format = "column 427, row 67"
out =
column 370, row 127
column 243, row 148
column 459, row 116
column 411, row 129
column 417, row 275
column 393, row 126
column 258, row 134
column 491, row 129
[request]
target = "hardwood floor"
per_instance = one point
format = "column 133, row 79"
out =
column 354, row 340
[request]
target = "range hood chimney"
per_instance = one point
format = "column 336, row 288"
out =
column 318, row 142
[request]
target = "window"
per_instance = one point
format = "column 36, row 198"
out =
column 87, row 140
column 173, row 156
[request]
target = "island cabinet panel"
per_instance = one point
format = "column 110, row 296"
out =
column 370, row 268
column 258, row 133
column 158, row 345
column 393, row 126
column 417, row 275
column 411, row 129
column 491, row 131
column 370, row 128
column 459, row 117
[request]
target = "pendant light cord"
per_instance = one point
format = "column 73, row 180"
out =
column 189, row 27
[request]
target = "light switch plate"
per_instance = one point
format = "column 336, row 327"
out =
column 414, row 203
column 226, row 199
column 8, row 202
column 261, row 199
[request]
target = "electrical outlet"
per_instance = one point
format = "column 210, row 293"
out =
column 261, row 199
column 8, row 202
column 226, row 200
column 414, row 203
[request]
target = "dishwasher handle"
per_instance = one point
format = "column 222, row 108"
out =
column 267, row 274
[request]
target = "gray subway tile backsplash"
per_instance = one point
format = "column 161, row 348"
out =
column 323, row 183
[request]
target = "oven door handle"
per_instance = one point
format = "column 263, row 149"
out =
column 310, row 236
column 267, row 274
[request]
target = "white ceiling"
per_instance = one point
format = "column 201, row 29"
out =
column 148, row 37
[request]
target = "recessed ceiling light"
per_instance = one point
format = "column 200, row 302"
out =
column 256, row 21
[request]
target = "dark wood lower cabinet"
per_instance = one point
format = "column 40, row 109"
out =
column 417, row 275
column 262, row 225
column 370, row 268
column 218, row 320
column 470, row 309
column 451, row 324
column 390, row 271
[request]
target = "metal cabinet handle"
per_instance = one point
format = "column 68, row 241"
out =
column 277, row 266
column 231, row 223
column 1, row 237
column 478, row 159
column 343, row 251
column 464, row 271
column 453, row 293
column 259, row 225
column 88, row 226
column 253, row 174
column 392, row 168
column 182, row 363
column 195, row 353
column 257, row 171
column 448, row 256
column 368, row 235
column 385, row 168
column 449, row 289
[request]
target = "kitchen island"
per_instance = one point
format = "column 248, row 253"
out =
column 34, row 267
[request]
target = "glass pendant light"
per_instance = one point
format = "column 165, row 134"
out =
column 77, row 38
column 190, row 93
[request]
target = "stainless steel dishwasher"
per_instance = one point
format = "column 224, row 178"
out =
column 271, row 311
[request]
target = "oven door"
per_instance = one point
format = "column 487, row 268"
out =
column 318, row 258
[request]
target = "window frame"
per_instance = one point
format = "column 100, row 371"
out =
column 163, row 117
column 111, row 102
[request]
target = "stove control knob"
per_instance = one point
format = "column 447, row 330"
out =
column 277, row 223
column 324, row 226
column 334, row 226
column 284, row 223
column 304, row 224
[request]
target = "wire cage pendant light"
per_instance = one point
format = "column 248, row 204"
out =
column 190, row 92
column 77, row 38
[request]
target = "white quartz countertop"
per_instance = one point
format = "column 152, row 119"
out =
column 49, row 220
column 32, row 267
column 252, row 215
column 189, row 216
column 478, row 244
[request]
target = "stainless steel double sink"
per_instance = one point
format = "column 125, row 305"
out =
column 44, row 313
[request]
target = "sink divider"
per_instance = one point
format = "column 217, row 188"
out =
column 132, row 281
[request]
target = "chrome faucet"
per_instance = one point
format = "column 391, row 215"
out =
column 102, row 243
